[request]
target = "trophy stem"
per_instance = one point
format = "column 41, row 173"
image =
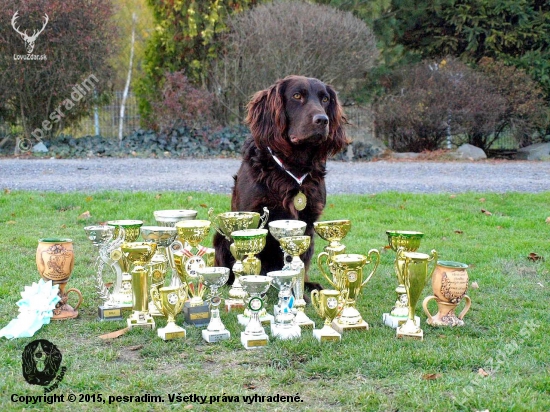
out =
column 140, row 316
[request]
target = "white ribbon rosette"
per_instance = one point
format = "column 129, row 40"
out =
column 35, row 309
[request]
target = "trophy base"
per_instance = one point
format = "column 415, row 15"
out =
column 265, row 320
column 254, row 342
column 445, row 320
column 171, row 333
column 396, row 321
column 215, row 336
column 109, row 313
column 285, row 332
column 64, row 312
column 196, row 315
column 327, row 334
column 303, row 321
column 136, row 321
column 154, row 311
column 343, row 327
column 410, row 335
column 234, row 304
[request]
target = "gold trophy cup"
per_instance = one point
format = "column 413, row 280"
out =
column 248, row 243
column 294, row 246
column 449, row 284
column 163, row 236
column 169, row 301
column 414, row 273
column 189, row 257
column 285, row 228
column 348, row 275
column 139, row 254
column 410, row 242
column 328, row 304
column 215, row 278
column 225, row 224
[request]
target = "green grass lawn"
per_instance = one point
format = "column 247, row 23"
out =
column 504, row 333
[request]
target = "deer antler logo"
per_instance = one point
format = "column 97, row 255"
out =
column 29, row 40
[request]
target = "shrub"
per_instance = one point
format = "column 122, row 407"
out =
column 274, row 40
column 181, row 104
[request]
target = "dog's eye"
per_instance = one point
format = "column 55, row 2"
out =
column 325, row 99
column 297, row 96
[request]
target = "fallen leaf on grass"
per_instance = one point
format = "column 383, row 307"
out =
column 486, row 212
column 431, row 376
column 116, row 334
column 11, row 222
column 474, row 285
column 89, row 199
column 459, row 232
column 452, row 196
column 482, row 200
column 548, row 220
column 188, row 407
column 481, row 372
column 249, row 386
column 85, row 215
column 203, row 205
column 7, row 192
column 158, row 196
column 108, row 284
column 134, row 348
column 63, row 226
column 534, row 257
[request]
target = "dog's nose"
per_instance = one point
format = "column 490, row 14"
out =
column 320, row 120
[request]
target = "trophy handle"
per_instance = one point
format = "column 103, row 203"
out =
column 376, row 263
column 215, row 225
column 80, row 298
column 466, row 308
column 315, row 301
column 319, row 264
column 155, row 297
column 183, row 293
column 264, row 218
column 434, row 259
column 425, row 307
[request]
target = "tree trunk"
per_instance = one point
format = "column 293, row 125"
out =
column 128, row 79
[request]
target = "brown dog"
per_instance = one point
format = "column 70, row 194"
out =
column 296, row 124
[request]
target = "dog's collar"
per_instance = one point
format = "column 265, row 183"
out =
column 299, row 180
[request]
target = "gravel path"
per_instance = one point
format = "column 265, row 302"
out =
column 215, row 175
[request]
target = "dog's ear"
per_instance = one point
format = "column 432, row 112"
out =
column 267, row 118
column 337, row 138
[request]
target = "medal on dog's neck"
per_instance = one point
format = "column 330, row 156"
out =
column 300, row 200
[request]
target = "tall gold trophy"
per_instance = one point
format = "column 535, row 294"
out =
column 414, row 273
column 295, row 246
column 333, row 231
column 163, row 237
column 189, row 257
column 138, row 255
column 225, row 224
column 169, row 301
column 410, row 242
column 125, row 231
column 328, row 304
column 348, row 275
